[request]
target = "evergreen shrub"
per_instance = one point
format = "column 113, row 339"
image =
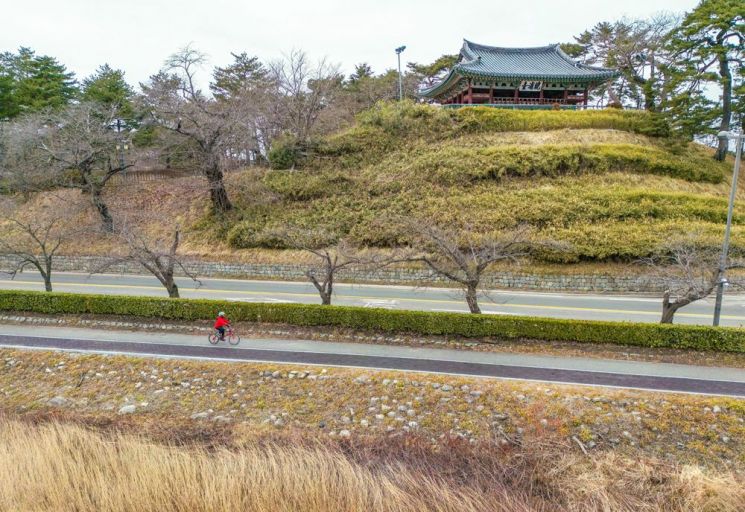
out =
column 721, row 339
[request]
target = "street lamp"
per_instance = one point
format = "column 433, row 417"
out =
column 721, row 281
column 400, row 82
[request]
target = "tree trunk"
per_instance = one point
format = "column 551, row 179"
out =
column 726, row 75
column 325, row 298
column 47, row 274
column 173, row 291
column 218, row 194
column 168, row 283
column 103, row 209
column 670, row 308
column 328, row 288
column 472, row 299
column 649, row 89
column 324, row 290
column 668, row 312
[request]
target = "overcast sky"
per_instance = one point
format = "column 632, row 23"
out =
column 137, row 35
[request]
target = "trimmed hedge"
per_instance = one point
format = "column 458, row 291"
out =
column 721, row 339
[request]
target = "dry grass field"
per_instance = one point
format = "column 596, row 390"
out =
column 54, row 467
column 91, row 432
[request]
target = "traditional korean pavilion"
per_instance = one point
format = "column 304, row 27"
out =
column 517, row 76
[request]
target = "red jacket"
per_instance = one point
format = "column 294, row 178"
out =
column 221, row 322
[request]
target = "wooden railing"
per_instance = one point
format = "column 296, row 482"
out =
column 548, row 105
column 144, row 175
column 570, row 100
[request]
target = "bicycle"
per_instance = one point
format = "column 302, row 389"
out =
column 230, row 336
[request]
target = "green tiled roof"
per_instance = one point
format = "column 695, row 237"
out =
column 540, row 63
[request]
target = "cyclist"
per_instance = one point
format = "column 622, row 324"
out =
column 220, row 323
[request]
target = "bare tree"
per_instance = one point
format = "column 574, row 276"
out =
column 158, row 255
column 464, row 256
column 36, row 245
column 73, row 147
column 214, row 127
column 688, row 273
column 304, row 91
column 332, row 258
column 21, row 169
column 34, row 240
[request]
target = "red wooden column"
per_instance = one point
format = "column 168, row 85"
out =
column 540, row 95
column 566, row 94
column 469, row 99
column 491, row 93
column 584, row 93
column 517, row 94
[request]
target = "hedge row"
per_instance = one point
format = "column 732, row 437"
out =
column 418, row 322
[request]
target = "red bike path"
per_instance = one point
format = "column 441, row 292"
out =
column 389, row 362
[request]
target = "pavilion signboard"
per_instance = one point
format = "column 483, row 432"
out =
column 530, row 85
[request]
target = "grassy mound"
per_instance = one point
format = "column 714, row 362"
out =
column 612, row 183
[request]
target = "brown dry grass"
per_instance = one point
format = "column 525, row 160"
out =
column 54, row 466
column 58, row 467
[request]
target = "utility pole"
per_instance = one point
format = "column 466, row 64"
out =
column 400, row 80
column 121, row 145
column 721, row 281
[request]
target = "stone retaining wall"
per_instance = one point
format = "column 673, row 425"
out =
column 521, row 280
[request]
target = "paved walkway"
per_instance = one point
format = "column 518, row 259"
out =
column 602, row 372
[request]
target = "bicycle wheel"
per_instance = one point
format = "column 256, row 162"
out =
column 234, row 339
column 213, row 338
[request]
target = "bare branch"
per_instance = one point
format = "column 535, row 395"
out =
column 688, row 272
column 465, row 257
column 332, row 257
column 158, row 255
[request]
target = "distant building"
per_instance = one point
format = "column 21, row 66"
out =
column 517, row 76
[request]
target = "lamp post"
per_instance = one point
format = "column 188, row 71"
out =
column 400, row 81
column 721, row 281
column 121, row 145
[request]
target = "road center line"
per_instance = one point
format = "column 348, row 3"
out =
column 362, row 298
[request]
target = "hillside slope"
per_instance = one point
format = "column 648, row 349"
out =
column 612, row 183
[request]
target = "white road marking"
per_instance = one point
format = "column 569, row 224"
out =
column 261, row 299
column 486, row 312
column 381, row 303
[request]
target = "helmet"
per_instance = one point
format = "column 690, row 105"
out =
column 221, row 313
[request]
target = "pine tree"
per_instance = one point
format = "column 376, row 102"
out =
column 8, row 107
column 108, row 88
column 710, row 50
column 634, row 47
column 245, row 74
column 39, row 81
column 361, row 71
column 429, row 74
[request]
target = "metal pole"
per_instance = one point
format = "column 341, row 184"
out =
column 400, row 82
column 725, row 245
column 120, row 146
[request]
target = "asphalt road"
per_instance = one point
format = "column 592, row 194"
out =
column 584, row 371
column 558, row 305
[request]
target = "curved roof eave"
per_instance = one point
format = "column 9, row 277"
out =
column 470, row 61
column 451, row 77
